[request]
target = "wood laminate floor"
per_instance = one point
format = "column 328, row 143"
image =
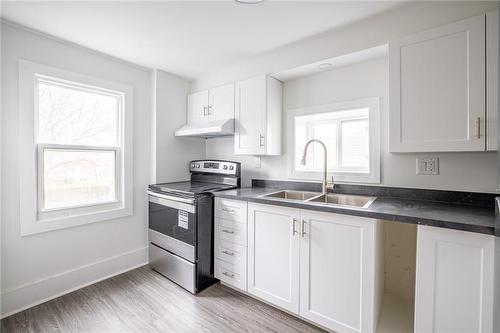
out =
column 144, row 301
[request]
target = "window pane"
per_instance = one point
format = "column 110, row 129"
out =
column 355, row 144
column 78, row 177
column 326, row 133
column 345, row 134
column 72, row 116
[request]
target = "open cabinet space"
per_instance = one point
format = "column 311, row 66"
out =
column 397, row 251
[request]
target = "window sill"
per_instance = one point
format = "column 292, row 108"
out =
column 36, row 226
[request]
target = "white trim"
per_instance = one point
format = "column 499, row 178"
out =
column 29, row 221
column 33, row 293
column 373, row 103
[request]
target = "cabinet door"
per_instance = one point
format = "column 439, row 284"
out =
column 221, row 102
column 250, row 117
column 492, row 23
column 454, row 281
column 337, row 271
column 197, row 107
column 273, row 255
column 437, row 89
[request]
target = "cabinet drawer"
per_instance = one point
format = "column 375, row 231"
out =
column 231, row 231
column 232, row 253
column 232, row 210
column 230, row 274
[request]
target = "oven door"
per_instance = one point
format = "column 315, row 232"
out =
column 172, row 224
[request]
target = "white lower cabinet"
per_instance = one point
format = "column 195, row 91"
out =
column 454, row 281
column 329, row 269
column 230, row 242
column 337, row 271
column 318, row 265
column 273, row 255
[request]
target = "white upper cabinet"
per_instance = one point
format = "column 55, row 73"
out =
column 213, row 104
column 454, row 290
column 221, row 103
column 197, row 107
column 210, row 113
column 337, row 271
column 273, row 254
column 491, row 79
column 437, row 89
column 258, row 116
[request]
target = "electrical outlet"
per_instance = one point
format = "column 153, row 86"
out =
column 427, row 166
column 257, row 162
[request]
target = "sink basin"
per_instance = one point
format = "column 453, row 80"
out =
column 292, row 195
column 359, row 201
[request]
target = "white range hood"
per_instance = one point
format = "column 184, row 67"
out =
column 207, row 129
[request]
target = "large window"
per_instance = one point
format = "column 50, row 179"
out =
column 349, row 130
column 79, row 142
column 77, row 131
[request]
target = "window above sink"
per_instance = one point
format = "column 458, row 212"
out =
column 351, row 133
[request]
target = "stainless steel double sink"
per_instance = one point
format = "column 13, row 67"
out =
column 331, row 199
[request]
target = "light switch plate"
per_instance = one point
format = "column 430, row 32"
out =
column 427, row 166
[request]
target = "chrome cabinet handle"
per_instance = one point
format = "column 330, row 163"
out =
column 204, row 111
column 227, row 231
column 303, row 228
column 228, row 253
column 293, row 228
column 478, row 127
column 261, row 140
column 209, row 112
column 231, row 211
column 228, row 274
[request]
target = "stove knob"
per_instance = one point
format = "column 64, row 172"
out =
column 231, row 167
column 197, row 165
column 192, row 165
column 225, row 167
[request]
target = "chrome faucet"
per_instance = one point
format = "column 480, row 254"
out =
column 326, row 185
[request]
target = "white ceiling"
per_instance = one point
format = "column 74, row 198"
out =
column 187, row 38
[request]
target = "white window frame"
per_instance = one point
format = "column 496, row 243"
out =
column 373, row 176
column 34, row 219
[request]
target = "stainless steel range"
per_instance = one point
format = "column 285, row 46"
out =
column 181, row 223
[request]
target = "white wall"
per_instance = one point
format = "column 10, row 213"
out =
column 40, row 266
column 367, row 79
column 171, row 155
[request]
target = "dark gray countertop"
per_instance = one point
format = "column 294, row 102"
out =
column 437, row 214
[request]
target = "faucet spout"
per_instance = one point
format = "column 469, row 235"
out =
column 325, row 165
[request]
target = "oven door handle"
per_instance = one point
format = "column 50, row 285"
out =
column 172, row 201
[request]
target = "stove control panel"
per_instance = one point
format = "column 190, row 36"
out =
column 220, row 167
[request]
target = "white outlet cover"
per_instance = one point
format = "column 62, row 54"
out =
column 427, row 166
column 257, row 162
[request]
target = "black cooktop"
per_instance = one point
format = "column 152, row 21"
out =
column 189, row 188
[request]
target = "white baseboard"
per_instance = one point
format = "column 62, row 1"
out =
column 31, row 294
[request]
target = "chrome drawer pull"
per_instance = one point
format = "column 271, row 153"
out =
column 227, row 231
column 229, row 275
column 231, row 211
column 228, row 253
